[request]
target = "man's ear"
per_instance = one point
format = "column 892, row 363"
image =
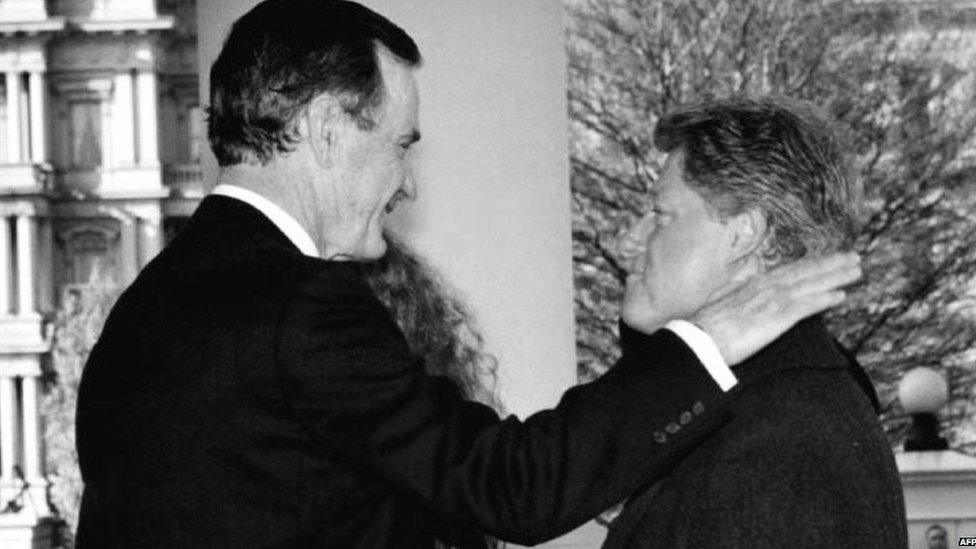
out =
column 748, row 234
column 324, row 118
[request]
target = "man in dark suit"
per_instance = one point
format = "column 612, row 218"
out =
column 249, row 390
column 803, row 461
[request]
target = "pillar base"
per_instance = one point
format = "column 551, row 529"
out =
column 24, row 532
column 19, row 506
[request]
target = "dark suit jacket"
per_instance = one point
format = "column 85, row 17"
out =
column 803, row 463
column 245, row 395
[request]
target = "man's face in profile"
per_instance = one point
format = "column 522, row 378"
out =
column 681, row 247
column 372, row 173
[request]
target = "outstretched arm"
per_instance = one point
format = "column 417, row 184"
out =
column 357, row 390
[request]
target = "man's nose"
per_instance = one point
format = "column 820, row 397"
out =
column 633, row 243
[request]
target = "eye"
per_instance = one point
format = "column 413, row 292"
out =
column 405, row 141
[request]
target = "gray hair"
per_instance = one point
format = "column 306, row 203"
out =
column 775, row 155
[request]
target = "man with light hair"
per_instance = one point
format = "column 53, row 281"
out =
column 803, row 461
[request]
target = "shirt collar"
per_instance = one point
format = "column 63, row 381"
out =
column 285, row 222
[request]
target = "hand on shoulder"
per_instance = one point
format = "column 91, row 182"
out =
column 744, row 317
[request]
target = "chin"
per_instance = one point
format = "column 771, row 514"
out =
column 373, row 249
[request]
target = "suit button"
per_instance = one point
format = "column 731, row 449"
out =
column 660, row 437
column 685, row 418
column 698, row 409
column 672, row 428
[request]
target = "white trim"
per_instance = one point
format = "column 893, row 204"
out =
column 285, row 223
column 704, row 347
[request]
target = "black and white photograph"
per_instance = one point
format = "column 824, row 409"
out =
column 630, row 274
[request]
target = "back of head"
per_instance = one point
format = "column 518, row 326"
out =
column 775, row 155
column 283, row 53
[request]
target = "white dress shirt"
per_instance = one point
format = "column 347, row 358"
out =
column 706, row 350
column 694, row 337
column 281, row 219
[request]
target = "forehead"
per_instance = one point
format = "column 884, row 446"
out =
column 673, row 191
column 402, row 100
column 671, row 186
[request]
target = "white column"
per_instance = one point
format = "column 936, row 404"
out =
column 7, row 431
column 148, row 151
column 32, row 450
column 25, row 265
column 13, row 118
column 5, row 263
column 124, row 122
column 24, row 119
column 38, row 135
column 509, row 187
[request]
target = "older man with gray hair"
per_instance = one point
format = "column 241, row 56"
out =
column 748, row 185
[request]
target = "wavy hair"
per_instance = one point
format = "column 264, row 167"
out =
column 438, row 326
column 776, row 154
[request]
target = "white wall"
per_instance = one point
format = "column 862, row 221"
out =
column 493, row 211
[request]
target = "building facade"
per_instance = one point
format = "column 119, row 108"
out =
column 100, row 129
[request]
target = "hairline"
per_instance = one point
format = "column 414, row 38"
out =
column 723, row 200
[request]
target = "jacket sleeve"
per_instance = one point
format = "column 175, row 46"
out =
column 355, row 387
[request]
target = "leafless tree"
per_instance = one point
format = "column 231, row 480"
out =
column 889, row 74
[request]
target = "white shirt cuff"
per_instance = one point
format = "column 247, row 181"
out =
column 704, row 347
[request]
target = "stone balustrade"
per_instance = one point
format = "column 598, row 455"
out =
column 184, row 180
